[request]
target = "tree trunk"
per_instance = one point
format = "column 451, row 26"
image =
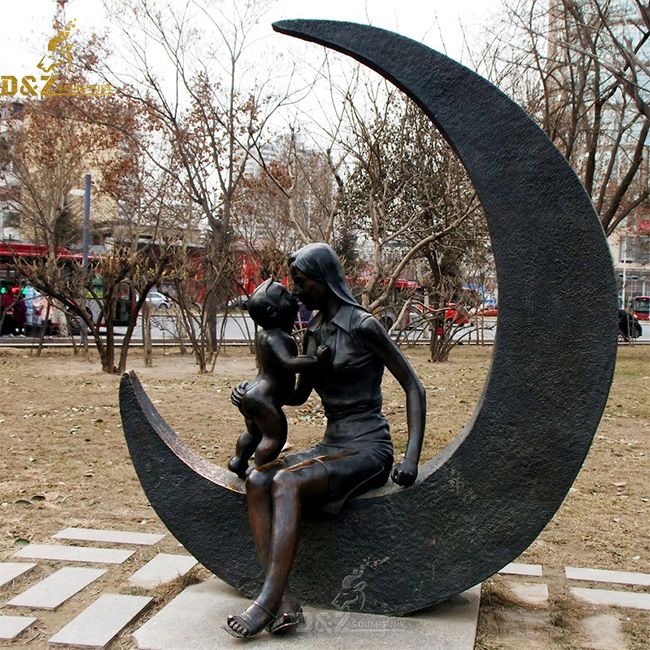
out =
column 108, row 363
column 41, row 334
column 126, row 341
column 146, row 334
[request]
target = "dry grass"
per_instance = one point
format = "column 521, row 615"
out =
column 636, row 626
column 165, row 592
column 64, row 461
column 496, row 595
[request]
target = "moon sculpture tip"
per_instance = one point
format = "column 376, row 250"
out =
column 286, row 26
column 293, row 24
column 281, row 25
column 300, row 27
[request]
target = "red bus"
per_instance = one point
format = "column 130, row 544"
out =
column 640, row 306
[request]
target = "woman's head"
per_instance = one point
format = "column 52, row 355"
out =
column 317, row 274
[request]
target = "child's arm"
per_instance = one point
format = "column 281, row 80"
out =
column 292, row 362
column 300, row 362
column 295, row 363
column 304, row 385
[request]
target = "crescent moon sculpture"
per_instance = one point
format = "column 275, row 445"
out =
column 487, row 496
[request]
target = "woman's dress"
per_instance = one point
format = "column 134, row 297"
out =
column 356, row 451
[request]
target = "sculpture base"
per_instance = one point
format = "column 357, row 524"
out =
column 194, row 619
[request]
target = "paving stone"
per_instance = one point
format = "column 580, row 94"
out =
column 523, row 628
column 604, row 632
column 102, row 621
column 613, row 598
column 518, row 569
column 604, row 575
column 12, row 626
column 194, row 618
column 56, row 588
column 75, row 553
column 530, row 593
column 163, row 568
column 110, row 536
column 11, row 570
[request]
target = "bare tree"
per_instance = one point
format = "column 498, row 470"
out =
column 407, row 195
column 210, row 111
column 290, row 201
column 580, row 68
column 49, row 151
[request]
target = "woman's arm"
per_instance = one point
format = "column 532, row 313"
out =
column 374, row 336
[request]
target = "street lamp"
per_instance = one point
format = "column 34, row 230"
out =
column 86, row 224
column 85, row 245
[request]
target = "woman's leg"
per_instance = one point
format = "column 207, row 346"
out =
column 259, row 486
column 258, row 490
column 290, row 488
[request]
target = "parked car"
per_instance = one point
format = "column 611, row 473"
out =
column 158, row 300
column 488, row 308
column 456, row 315
column 35, row 309
column 488, row 312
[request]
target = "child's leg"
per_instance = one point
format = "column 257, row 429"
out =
column 274, row 435
column 248, row 440
column 246, row 444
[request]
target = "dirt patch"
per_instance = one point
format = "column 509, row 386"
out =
column 64, row 461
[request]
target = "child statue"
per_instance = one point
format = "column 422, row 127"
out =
column 274, row 310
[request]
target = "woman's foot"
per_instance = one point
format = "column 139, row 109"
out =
column 289, row 616
column 250, row 622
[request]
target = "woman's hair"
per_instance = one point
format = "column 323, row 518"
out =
column 320, row 262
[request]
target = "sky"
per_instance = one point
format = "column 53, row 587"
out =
column 27, row 24
column 286, row 67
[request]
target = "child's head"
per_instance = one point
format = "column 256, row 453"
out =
column 271, row 305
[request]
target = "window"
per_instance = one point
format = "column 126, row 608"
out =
column 635, row 249
column 9, row 219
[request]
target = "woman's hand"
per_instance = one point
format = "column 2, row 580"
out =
column 238, row 393
column 405, row 473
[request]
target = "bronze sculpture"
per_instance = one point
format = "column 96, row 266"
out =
column 356, row 453
column 482, row 500
column 274, row 309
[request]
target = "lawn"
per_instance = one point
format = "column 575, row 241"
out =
column 64, row 460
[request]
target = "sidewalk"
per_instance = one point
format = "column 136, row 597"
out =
column 91, row 588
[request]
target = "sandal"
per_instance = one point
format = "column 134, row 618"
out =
column 286, row 621
column 241, row 626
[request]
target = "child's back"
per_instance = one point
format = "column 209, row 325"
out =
column 275, row 379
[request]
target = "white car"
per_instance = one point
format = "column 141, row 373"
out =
column 158, row 300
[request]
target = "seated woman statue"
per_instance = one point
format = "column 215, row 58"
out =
column 356, row 453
